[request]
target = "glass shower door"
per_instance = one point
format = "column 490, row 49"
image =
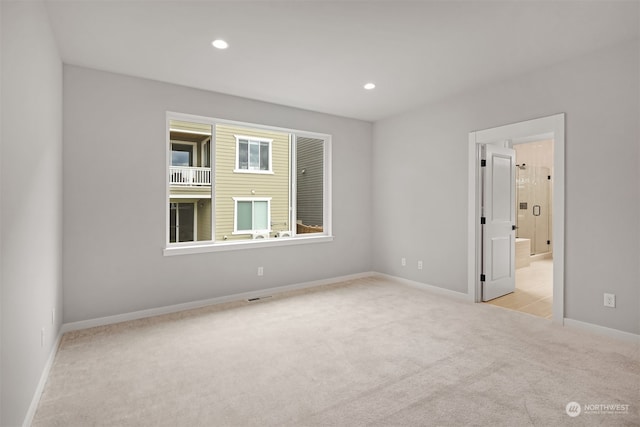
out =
column 533, row 208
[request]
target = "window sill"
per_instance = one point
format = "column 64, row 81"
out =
column 244, row 244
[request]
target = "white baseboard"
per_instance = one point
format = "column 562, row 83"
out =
column 108, row 320
column 430, row 288
column 603, row 330
column 35, row 401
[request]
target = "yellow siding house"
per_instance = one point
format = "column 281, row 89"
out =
column 252, row 181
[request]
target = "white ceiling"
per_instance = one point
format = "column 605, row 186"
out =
column 317, row 55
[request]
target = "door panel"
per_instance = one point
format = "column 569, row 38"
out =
column 501, row 209
column 500, row 258
column 498, row 235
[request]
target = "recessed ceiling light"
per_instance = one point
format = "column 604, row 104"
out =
column 369, row 86
column 220, row 44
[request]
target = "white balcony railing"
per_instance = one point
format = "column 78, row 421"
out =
column 189, row 176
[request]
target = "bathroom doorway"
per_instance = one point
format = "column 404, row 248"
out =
column 535, row 130
column 534, row 218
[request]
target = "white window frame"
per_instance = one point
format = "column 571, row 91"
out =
column 251, row 139
column 196, row 247
column 251, row 199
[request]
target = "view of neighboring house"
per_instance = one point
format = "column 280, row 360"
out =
column 252, row 193
column 253, row 180
column 190, row 182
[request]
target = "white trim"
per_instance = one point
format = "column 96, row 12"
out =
column 425, row 287
column 249, row 140
column 212, row 160
column 253, row 138
column 327, row 214
column 194, row 196
column 602, row 330
column 300, row 239
column 118, row 318
column 44, row 376
column 293, row 190
column 167, row 177
column 551, row 127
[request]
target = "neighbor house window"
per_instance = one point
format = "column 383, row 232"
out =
column 253, row 154
column 181, row 154
column 252, row 216
column 231, row 182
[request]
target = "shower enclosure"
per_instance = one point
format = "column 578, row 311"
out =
column 533, row 188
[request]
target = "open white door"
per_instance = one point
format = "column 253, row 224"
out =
column 498, row 222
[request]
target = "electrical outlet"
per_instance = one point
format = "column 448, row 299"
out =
column 419, row 265
column 403, row 261
column 610, row 300
column 260, row 271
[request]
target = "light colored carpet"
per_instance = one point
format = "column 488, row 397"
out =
column 364, row 352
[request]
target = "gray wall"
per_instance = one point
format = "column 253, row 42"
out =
column 31, row 202
column 114, row 199
column 420, row 180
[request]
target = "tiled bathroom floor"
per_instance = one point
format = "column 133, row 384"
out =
column 534, row 290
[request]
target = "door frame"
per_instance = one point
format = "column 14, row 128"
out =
column 550, row 127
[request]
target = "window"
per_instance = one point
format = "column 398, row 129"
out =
column 253, row 154
column 252, row 216
column 181, row 154
column 309, row 185
column 270, row 183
